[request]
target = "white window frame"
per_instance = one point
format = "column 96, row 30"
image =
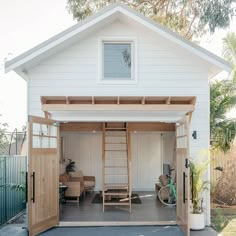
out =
column 133, row 42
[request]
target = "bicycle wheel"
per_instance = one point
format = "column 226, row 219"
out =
column 166, row 196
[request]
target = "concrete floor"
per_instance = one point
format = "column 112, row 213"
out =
column 150, row 210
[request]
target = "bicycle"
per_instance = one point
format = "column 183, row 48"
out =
column 167, row 193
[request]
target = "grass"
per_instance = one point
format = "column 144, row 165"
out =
column 224, row 221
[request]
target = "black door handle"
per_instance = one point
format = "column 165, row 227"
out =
column 192, row 186
column 33, row 190
column 184, row 187
column 26, row 186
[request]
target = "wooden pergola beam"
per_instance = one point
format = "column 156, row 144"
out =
column 118, row 107
column 133, row 126
column 118, row 100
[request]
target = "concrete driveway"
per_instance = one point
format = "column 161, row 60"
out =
column 16, row 230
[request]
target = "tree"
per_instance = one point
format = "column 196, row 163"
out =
column 222, row 100
column 229, row 52
column 187, row 17
column 3, row 138
column 225, row 128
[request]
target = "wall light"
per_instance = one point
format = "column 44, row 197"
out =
column 194, row 134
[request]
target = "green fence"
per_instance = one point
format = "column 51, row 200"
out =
column 12, row 186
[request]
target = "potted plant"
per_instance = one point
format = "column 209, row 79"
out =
column 198, row 186
column 70, row 167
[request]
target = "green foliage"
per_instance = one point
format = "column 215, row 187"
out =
column 229, row 52
column 15, row 187
column 198, row 185
column 219, row 221
column 215, row 13
column 186, row 17
column 222, row 100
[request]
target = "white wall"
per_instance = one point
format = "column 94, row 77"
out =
column 163, row 69
column 148, row 153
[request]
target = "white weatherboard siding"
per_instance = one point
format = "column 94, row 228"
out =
column 162, row 69
column 149, row 151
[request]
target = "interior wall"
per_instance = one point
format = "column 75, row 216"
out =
column 146, row 159
column 85, row 148
column 149, row 151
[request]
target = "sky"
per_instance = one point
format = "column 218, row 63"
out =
column 26, row 23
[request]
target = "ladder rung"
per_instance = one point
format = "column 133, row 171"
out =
column 116, row 174
column 112, row 150
column 116, row 186
column 116, row 203
column 116, row 135
column 115, row 166
column 110, row 128
column 116, row 193
column 115, row 143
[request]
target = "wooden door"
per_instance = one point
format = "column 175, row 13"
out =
column 43, row 174
column 182, row 174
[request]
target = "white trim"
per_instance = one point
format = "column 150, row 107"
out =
column 134, row 62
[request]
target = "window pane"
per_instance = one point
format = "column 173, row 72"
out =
column 53, row 130
column 36, row 128
column 53, row 143
column 36, row 142
column 45, row 142
column 44, row 130
column 117, row 61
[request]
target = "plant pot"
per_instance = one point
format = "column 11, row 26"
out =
column 197, row 221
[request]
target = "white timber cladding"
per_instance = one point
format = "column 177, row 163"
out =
column 149, row 151
column 163, row 69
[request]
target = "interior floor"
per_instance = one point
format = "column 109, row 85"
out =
column 150, row 210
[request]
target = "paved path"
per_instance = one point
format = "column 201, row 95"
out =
column 16, row 230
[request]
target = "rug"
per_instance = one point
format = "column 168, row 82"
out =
column 134, row 199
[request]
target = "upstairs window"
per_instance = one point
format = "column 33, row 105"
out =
column 118, row 61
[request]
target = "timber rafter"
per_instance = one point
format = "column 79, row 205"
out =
column 122, row 103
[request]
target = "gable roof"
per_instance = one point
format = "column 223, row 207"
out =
column 21, row 63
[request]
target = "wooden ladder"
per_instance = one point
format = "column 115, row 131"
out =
column 116, row 158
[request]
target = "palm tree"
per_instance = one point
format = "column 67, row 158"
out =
column 229, row 52
column 222, row 100
column 223, row 130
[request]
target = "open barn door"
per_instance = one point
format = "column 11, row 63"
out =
column 43, row 174
column 183, row 182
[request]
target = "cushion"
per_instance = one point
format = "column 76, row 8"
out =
column 89, row 184
column 76, row 174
